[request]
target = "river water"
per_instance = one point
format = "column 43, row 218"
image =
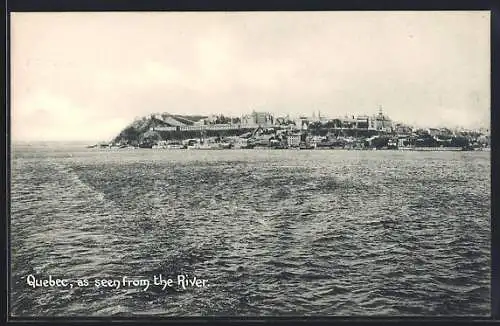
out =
column 272, row 232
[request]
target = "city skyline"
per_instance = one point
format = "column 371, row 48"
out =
column 86, row 76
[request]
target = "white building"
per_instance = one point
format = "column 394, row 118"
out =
column 293, row 140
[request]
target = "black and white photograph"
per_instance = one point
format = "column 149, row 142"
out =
column 259, row 163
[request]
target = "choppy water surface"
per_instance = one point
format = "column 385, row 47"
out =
column 274, row 232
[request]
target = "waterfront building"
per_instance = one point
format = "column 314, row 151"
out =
column 317, row 139
column 294, row 140
column 484, row 140
column 161, row 144
column 238, row 142
column 262, row 140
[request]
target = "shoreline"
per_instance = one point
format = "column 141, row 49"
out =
column 416, row 149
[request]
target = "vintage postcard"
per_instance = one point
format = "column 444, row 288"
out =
column 250, row 164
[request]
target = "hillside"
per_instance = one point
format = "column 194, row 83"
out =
column 139, row 129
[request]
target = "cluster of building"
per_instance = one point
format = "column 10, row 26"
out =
column 263, row 129
column 167, row 122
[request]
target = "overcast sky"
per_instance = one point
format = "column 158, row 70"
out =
column 86, row 76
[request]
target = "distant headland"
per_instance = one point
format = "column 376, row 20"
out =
column 264, row 130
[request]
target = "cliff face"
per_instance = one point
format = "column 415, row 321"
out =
column 139, row 131
column 134, row 132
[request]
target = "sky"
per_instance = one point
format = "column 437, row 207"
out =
column 86, row 76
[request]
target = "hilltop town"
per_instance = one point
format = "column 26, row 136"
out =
column 264, row 130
